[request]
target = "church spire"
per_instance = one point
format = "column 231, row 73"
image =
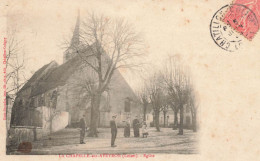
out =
column 75, row 37
column 74, row 43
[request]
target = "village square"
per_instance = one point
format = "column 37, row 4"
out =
column 86, row 106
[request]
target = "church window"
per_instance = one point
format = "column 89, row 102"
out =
column 127, row 106
column 41, row 100
column 54, row 99
column 32, row 103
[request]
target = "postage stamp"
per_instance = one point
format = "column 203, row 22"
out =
column 222, row 34
column 243, row 16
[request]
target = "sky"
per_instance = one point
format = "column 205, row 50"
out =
column 168, row 28
column 43, row 25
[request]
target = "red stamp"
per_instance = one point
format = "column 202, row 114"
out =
column 243, row 16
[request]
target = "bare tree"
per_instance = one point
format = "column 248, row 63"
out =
column 174, row 107
column 177, row 83
column 143, row 95
column 165, row 111
column 193, row 103
column 52, row 112
column 104, row 46
column 15, row 76
column 84, row 85
column 156, row 97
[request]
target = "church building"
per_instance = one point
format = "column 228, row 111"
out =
column 50, row 101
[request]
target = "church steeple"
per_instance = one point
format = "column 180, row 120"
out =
column 74, row 43
column 75, row 37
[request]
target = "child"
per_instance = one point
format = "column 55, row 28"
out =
column 144, row 130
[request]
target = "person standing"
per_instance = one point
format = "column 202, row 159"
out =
column 83, row 129
column 127, row 129
column 144, row 130
column 113, row 127
column 136, row 124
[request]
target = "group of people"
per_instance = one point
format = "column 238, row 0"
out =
column 113, row 126
column 136, row 127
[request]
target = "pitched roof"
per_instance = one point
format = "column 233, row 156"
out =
column 37, row 75
column 118, row 82
column 56, row 77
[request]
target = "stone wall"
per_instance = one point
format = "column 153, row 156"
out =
column 18, row 134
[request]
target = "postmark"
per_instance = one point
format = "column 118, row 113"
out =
column 222, row 34
column 243, row 16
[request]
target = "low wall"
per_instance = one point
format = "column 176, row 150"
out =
column 19, row 134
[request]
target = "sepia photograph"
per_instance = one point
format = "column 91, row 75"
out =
column 98, row 92
column 130, row 79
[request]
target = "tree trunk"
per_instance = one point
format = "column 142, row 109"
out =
column 194, row 122
column 175, row 123
column 164, row 118
column 145, row 107
column 95, row 103
column 51, row 117
column 181, row 121
column 157, row 113
column 51, row 126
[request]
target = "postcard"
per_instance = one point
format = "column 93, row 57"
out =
column 130, row 79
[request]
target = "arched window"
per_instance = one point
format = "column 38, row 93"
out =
column 42, row 100
column 107, row 99
column 127, row 105
column 54, row 98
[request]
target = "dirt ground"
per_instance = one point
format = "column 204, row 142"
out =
column 66, row 141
